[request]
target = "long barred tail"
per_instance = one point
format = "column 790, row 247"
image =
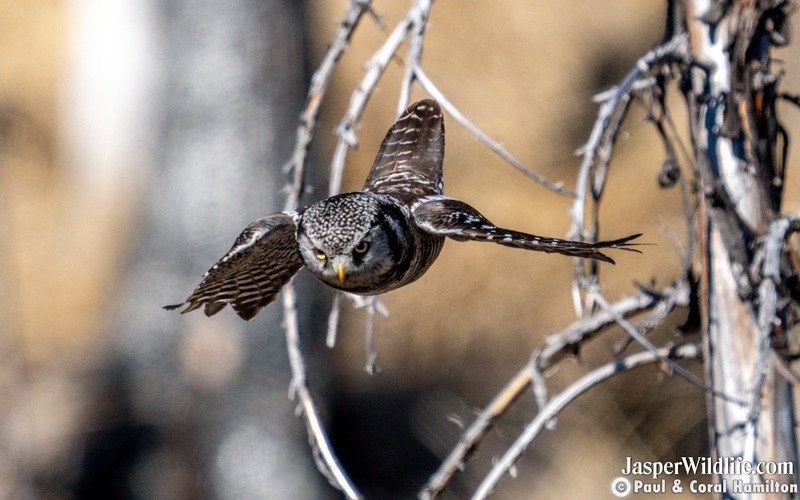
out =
column 444, row 216
column 568, row 247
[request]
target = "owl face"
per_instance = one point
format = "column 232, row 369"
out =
column 351, row 241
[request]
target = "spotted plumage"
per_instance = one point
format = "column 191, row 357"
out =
column 371, row 241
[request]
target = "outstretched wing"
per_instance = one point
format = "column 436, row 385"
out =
column 411, row 155
column 263, row 259
column 455, row 219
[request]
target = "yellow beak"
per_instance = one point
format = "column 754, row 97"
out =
column 340, row 273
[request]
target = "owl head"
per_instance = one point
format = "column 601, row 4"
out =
column 353, row 241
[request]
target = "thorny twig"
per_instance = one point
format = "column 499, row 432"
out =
column 563, row 398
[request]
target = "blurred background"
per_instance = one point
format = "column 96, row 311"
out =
column 137, row 139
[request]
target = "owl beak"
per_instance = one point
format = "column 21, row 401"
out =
column 340, row 273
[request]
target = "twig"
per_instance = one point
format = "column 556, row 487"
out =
column 333, row 320
column 371, row 367
column 597, row 153
column 472, row 436
column 566, row 343
column 319, row 86
column 327, row 462
column 562, row 399
column 414, row 55
column 642, row 340
column 358, row 100
column 767, row 318
column 789, row 97
column 437, row 94
column 557, row 347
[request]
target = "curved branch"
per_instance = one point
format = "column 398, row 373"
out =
column 427, row 84
column 599, row 148
column 326, row 460
column 557, row 347
column 319, row 86
column 562, row 399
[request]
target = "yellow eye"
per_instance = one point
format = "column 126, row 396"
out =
column 361, row 247
column 320, row 254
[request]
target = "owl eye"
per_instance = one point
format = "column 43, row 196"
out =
column 361, row 247
column 320, row 254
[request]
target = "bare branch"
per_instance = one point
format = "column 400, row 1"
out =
column 319, row 86
column 358, row 100
column 557, row 347
column 437, row 94
column 642, row 340
column 562, row 399
column 325, row 458
column 414, row 55
column 472, row 436
column 598, row 150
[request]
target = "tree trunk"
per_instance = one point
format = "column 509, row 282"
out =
column 735, row 135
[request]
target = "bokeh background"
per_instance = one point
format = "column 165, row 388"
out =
column 138, row 137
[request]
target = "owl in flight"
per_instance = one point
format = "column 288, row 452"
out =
column 371, row 241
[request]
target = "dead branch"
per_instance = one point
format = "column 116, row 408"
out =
column 598, row 151
column 565, row 397
column 427, row 84
column 325, row 458
column 557, row 347
column 358, row 100
column 316, row 93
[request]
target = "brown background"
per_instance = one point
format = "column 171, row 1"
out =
column 525, row 72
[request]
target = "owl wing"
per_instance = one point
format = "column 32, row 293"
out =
column 263, row 259
column 455, row 219
column 411, row 155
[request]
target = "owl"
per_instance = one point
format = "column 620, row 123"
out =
column 371, row 241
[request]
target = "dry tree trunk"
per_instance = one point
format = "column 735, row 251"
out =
column 731, row 96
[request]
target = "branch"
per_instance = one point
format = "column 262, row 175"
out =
column 767, row 318
column 437, row 94
column 599, row 148
column 557, row 347
column 327, row 462
column 562, row 399
column 642, row 340
column 358, row 100
column 474, row 434
column 414, row 55
column 319, row 86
